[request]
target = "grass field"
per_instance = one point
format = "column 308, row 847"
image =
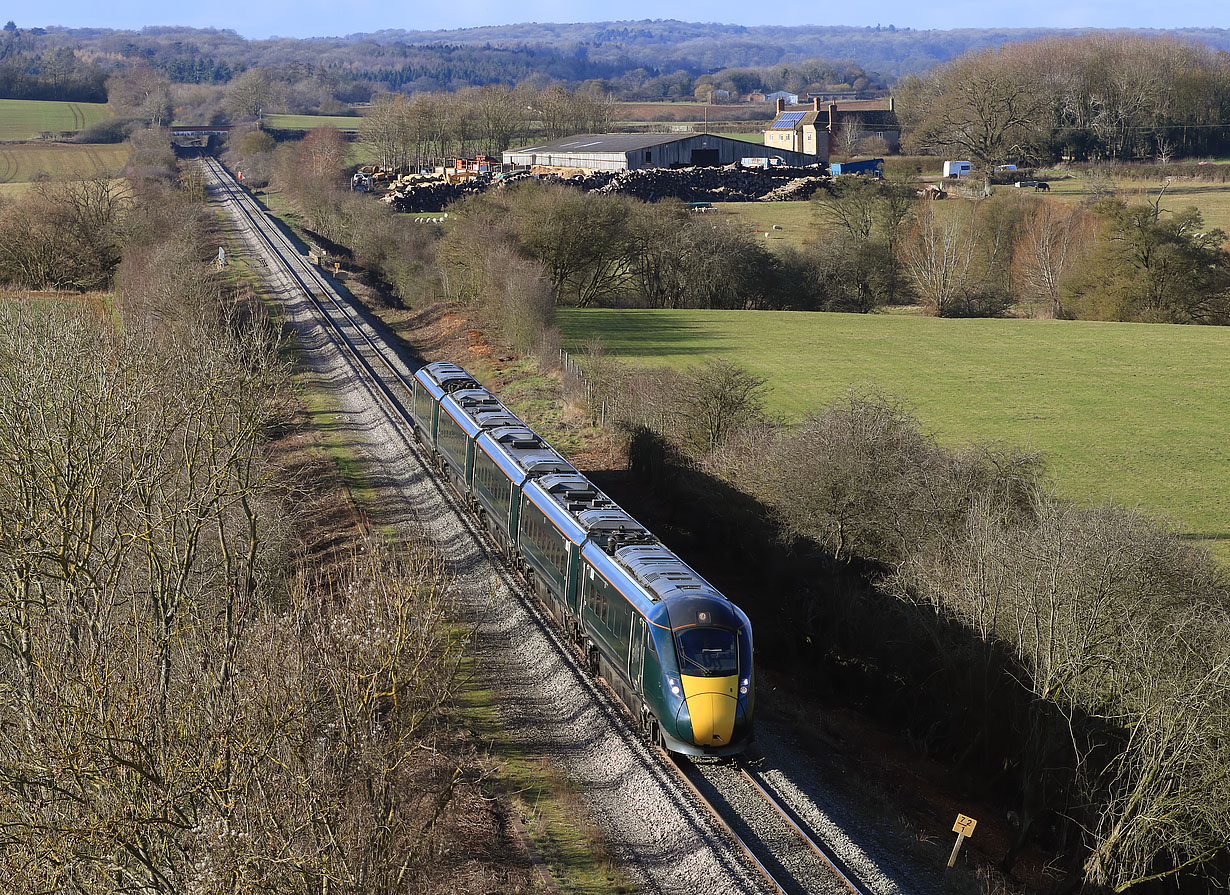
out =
column 797, row 220
column 348, row 123
column 26, row 119
column 26, row 162
column 1132, row 412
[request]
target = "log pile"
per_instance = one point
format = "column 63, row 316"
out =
column 728, row 184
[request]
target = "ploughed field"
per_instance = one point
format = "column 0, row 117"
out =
column 1132, row 412
column 29, row 162
column 28, row 119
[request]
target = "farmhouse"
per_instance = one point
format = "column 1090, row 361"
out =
column 811, row 129
column 798, row 130
column 629, row 152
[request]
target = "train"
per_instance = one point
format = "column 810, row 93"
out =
column 675, row 650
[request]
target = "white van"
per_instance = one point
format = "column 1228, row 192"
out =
column 957, row 169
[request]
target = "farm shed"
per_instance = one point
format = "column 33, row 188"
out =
column 629, row 152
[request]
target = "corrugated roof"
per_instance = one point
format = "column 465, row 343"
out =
column 594, row 143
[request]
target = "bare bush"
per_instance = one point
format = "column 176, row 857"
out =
column 64, row 235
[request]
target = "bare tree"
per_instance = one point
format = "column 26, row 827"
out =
column 719, row 397
column 1054, row 238
column 988, row 106
column 141, row 92
column 940, row 257
column 849, row 135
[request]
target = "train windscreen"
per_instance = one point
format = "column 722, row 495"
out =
column 707, row 652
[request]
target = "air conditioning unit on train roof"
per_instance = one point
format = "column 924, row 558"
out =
column 475, row 397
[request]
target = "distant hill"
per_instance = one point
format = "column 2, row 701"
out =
column 573, row 52
column 667, row 44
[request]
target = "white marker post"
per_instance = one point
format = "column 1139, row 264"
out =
column 964, row 828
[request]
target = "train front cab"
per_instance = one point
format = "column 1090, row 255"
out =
column 713, row 649
column 683, row 663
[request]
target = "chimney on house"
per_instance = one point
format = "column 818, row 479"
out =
column 815, row 103
column 781, row 104
column 832, row 114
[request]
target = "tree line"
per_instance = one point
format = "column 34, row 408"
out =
column 192, row 697
column 640, row 51
column 1109, row 96
column 30, row 71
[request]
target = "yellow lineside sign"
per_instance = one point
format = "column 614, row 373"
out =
column 964, row 825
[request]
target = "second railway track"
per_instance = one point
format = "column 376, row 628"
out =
column 770, row 835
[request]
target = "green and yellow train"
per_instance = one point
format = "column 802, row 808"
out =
column 675, row 650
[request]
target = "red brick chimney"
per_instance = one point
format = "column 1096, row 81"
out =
column 815, row 103
column 781, row 105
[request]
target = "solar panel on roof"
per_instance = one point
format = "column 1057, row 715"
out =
column 788, row 119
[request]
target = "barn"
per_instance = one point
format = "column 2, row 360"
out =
column 628, row 152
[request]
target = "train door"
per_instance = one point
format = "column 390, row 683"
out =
column 636, row 655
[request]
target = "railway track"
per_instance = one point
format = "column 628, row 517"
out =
column 787, row 853
column 768, row 836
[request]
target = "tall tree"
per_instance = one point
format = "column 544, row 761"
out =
column 988, row 106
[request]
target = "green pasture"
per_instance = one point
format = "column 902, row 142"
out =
column 797, row 220
column 26, row 119
column 1137, row 413
column 27, row 162
column 345, row 123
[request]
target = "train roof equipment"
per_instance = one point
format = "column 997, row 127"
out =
column 476, row 409
column 441, row 378
column 662, row 573
column 521, row 453
column 604, row 521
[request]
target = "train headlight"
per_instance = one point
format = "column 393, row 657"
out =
column 744, row 685
column 673, row 683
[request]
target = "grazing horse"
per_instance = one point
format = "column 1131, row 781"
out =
column 1042, row 186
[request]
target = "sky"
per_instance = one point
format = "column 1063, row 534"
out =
column 327, row 18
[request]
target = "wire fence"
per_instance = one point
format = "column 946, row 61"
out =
column 571, row 368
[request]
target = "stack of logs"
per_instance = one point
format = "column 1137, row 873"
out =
column 729, row 184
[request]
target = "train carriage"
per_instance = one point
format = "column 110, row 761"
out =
column 674, row 649
column 431, row 384
column 549, row 537
column 464, row 413
column 504, row 458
